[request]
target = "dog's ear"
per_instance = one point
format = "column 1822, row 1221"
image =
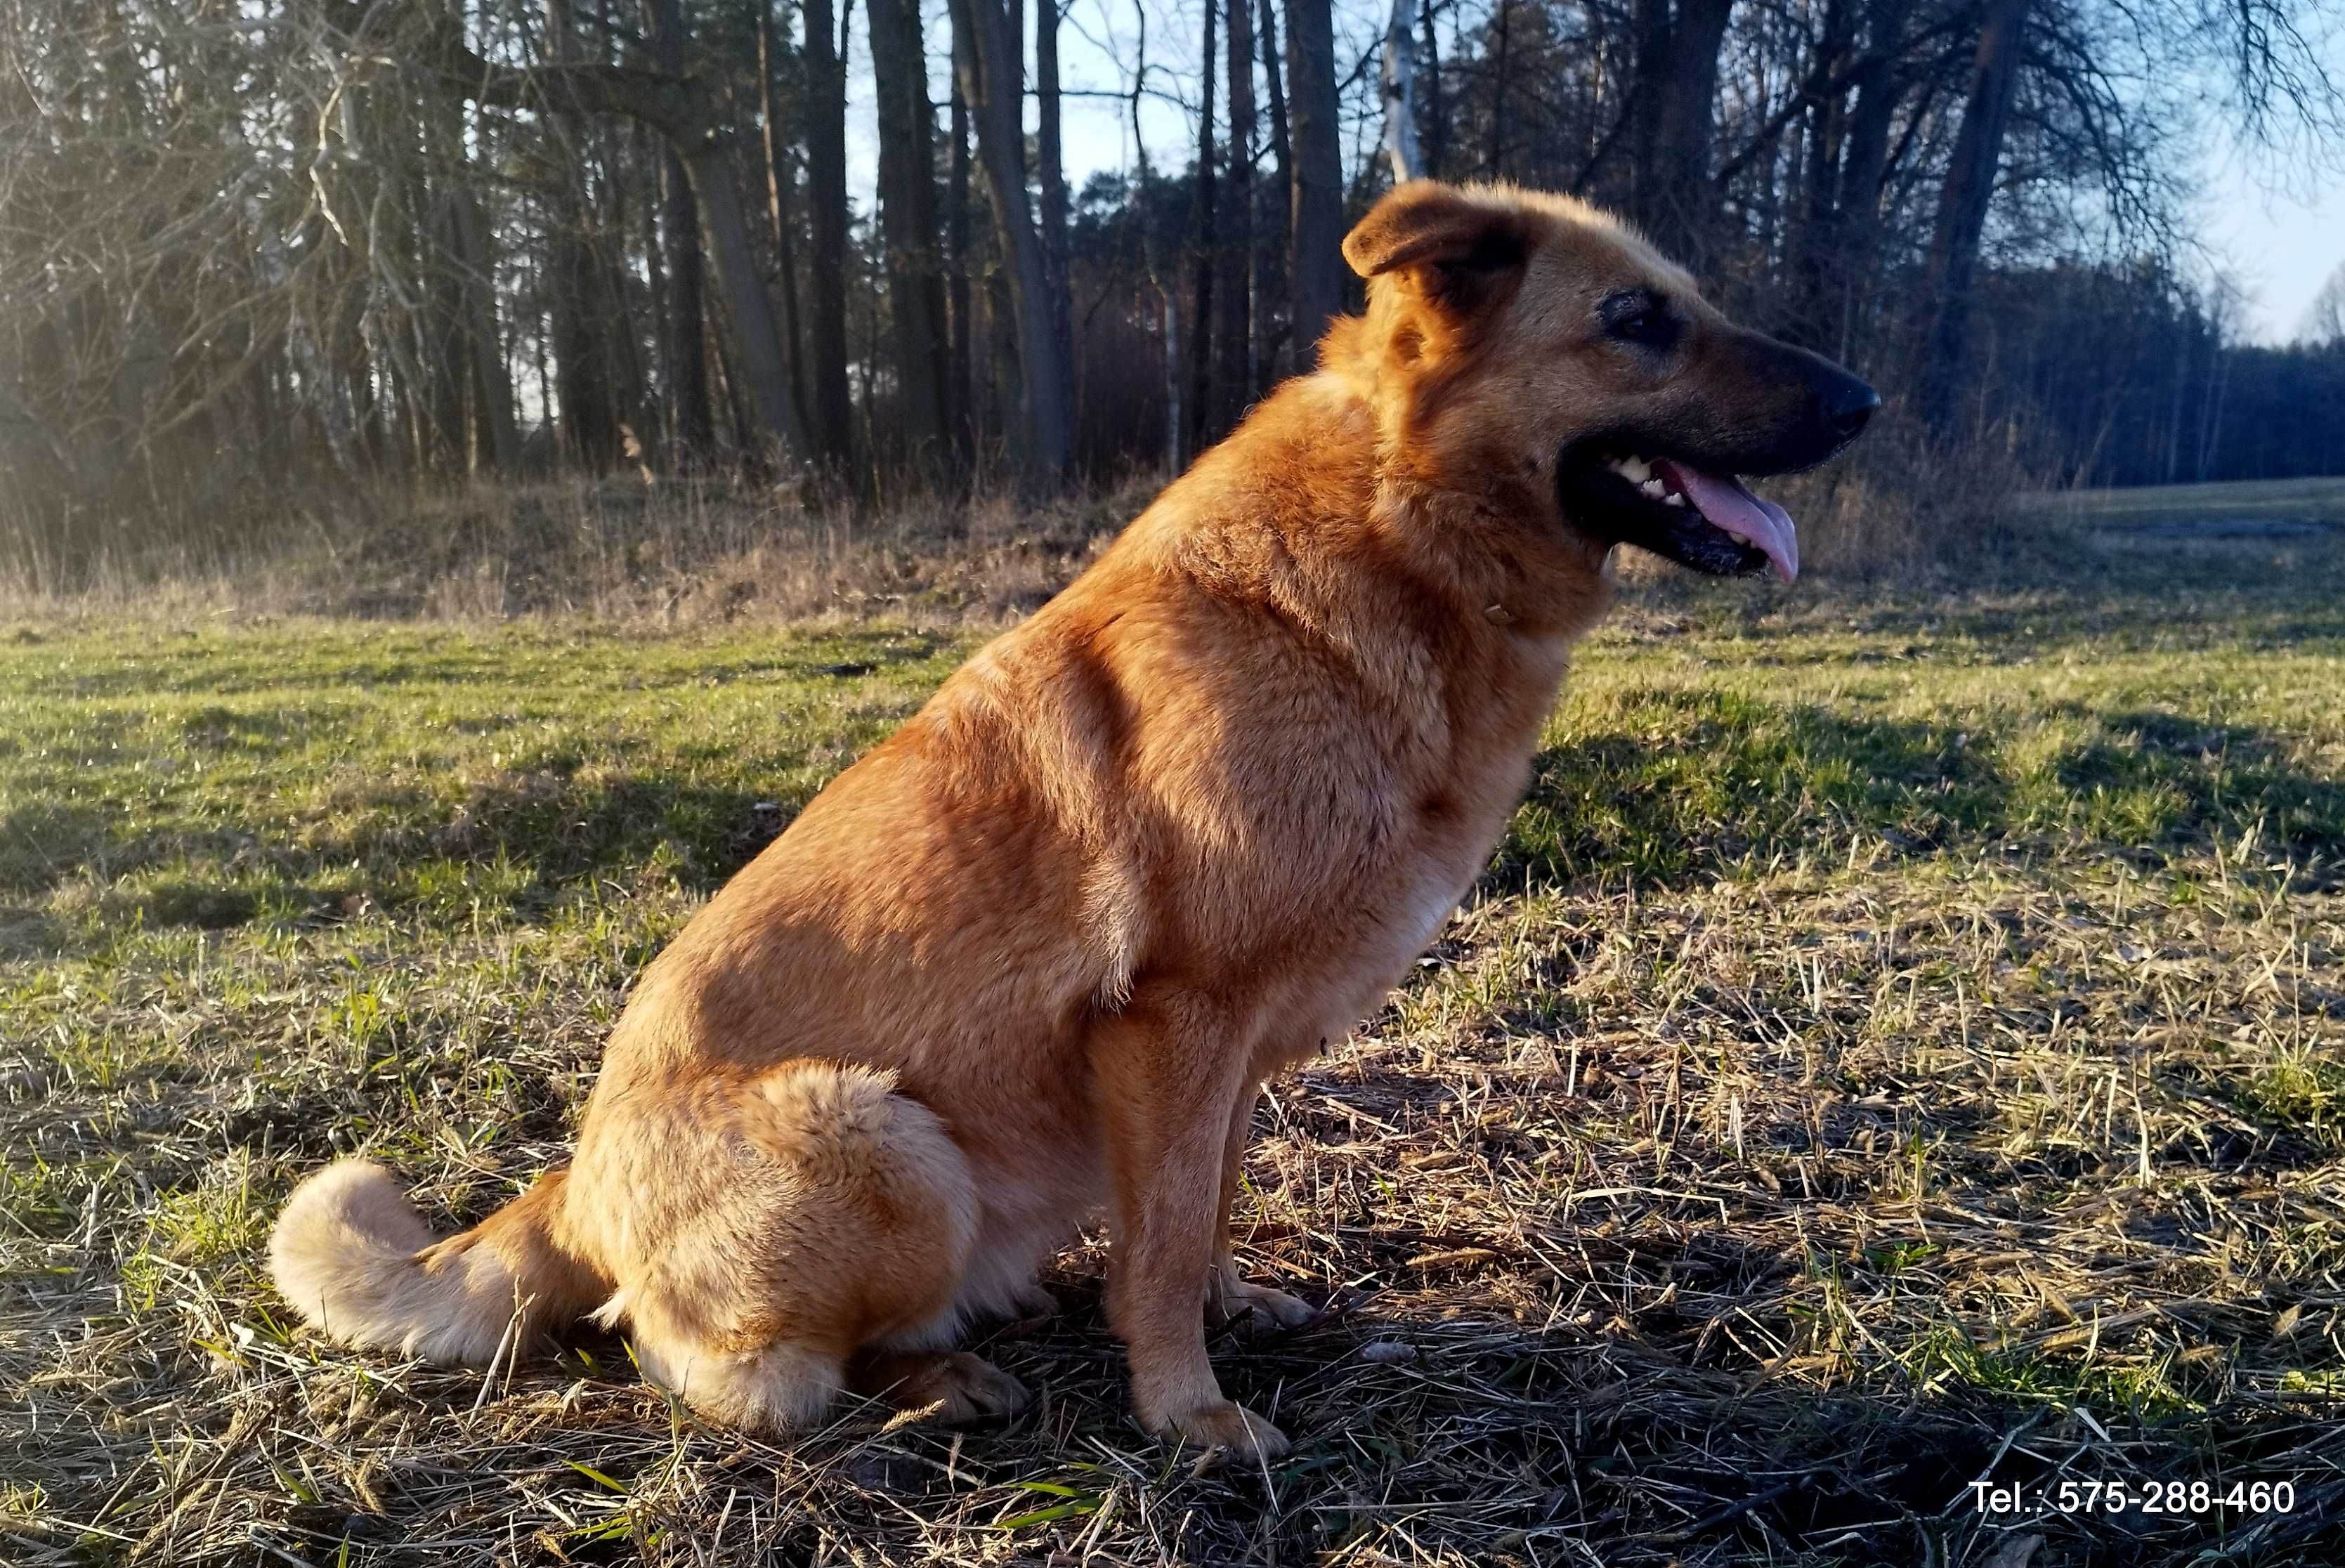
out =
column 1459, row 244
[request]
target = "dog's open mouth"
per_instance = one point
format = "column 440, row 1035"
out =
column 1709, row 522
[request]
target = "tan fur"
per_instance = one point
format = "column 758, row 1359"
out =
column 1031, row 959
column 352, row 1255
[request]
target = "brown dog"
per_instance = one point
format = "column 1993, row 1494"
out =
column 1031, row 958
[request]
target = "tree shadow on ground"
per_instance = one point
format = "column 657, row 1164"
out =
column 517, row 843
column 1698, row 781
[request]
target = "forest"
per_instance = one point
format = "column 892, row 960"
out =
column 250, row 248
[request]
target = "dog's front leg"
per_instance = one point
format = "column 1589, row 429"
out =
column 1229, row 1295
column 1167, row 1069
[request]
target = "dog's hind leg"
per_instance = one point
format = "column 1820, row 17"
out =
column 958, row 1386
column 916, row 1369
column 837, row 1214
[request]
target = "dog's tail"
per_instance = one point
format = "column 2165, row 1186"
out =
column 353, row 1257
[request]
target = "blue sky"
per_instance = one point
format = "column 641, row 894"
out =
column 2281, row 245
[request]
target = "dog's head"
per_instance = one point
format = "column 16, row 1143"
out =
column 1517, row 336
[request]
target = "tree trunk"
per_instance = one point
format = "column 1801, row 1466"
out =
column 1167, row 296
column 1963, row 202
column 1203, row 409
column 907, row 212
column 961, row 361
column 1815, row 257
column 1494, row 158
column 777, row 206
column 1398, row 80
column 1437, row 110
column 496, row 436
column 583, row 394
column 740, row 407
column 1269, row 251
column 1855, row 240
column 751, row 307
column 686, row 371
column 1238, row 371
column 692, row 430
column 1315, row 258
column 1681, row 201
column 992, row 81
column 424, row 173
column 647, row 152
column 831, row 416
column 1008, row 378
column 1051, row 177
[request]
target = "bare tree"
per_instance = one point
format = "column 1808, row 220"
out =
column 778, row 190
column 1671, row 193
column 1272, row 250
column 832, row 416
column 1205, row 410
column 511, row 232
column 1963, row 202
column 963, row 400
column 908, row 210
column 1435, row 117
column 683, row 110
column 992, row 80
column 1238, row 371
column 694, row 422
column 1051, row 173
column 1398, row 78
column 1316, row 231
column 592, row 408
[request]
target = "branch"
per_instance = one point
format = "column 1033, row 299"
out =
column 1820, row 84
column 675, row 107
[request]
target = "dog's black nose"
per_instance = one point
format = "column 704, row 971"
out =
column 1844, row 406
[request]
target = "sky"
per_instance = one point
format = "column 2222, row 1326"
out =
column 2281, row 245
column 2277, row 230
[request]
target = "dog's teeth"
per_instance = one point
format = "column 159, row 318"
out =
column 1654, row 488
column 1673, row 499
column 1635, row 470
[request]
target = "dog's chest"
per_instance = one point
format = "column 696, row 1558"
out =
column 1393, row 911
column 1457, row 814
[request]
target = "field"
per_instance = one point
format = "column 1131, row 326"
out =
column 2292, row 503
column 1900, row 1043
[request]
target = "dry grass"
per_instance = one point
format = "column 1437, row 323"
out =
column 679, row 552
column 1898, row 1044
column 684, row 552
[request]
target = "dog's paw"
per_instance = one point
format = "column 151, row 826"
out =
column 1033, row 1303
column 1227, row 1428
column 957, row 1387
column 1254, row 1307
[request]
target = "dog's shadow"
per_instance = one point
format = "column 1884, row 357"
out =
column 1443, row 1416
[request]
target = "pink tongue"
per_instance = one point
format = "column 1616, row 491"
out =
column 1729, row 505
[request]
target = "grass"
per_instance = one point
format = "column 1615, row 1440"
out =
column 1897, row 1044
column 2309, row 500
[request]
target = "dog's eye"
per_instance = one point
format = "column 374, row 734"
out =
column 1640, row 317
